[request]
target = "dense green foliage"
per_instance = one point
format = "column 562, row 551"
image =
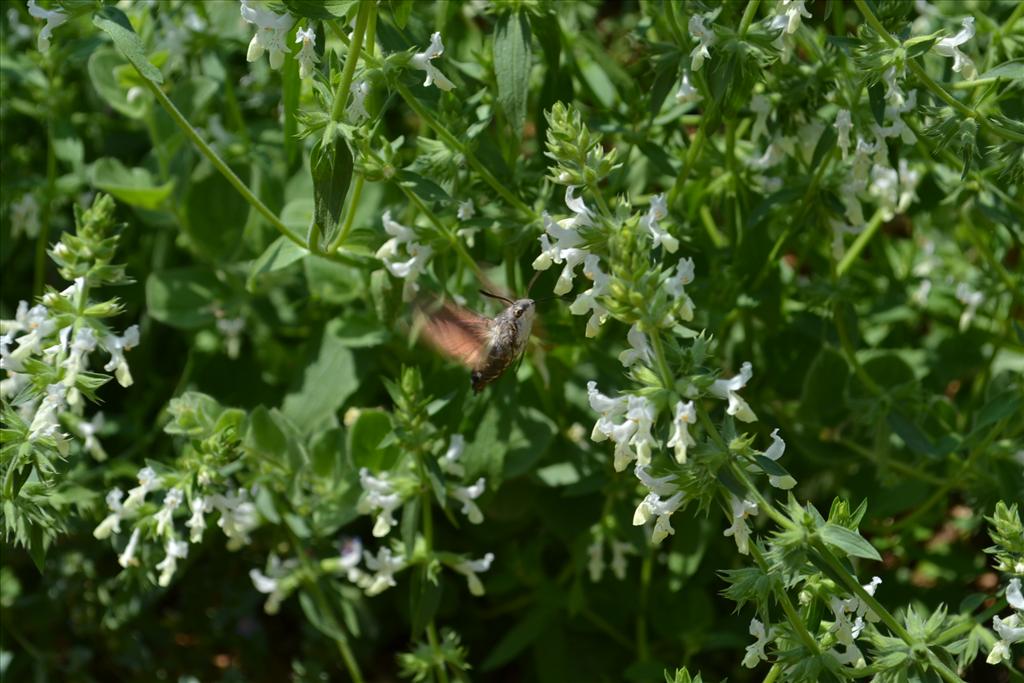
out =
column 769, row 425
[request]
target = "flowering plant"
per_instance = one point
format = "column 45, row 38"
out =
column 768, row 426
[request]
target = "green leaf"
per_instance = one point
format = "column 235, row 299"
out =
column 216, row 214
column 425, row 188
column 327, row 382
column 102, row 64
column 322, row 9
column 826, row 143
column 848, row 541
column 364, row 438
column 115, row 23
column 133, row 186
column 512, row 60
column 281, row 253
column 822, row 399
column 331, row 167
column 183, row 297
column 424, row 600
column 270, row 435
column 1012, row 70
column 520, row 636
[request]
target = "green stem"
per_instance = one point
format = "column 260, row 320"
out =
column 351, row 59
column 220, row 164
column 452, row 238
column 696, row 144
column 939, row 91
column 762, row 503
column 787, row 606
column 862, row 241
column 851, row 353
column 454, row 143
column 897, row 465
column 773, row 674
column 748, row 16
column 353, row 205
column 667, row 379
column 46, row 215
column 673, row 24
column 341, row 640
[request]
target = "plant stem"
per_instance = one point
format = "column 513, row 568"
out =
column 787, row 606
column 46, row 215
column 748, row 18
column 851, row 353
column 762, row 502
column 773, row 674
column 862, row 241
column 353, row 205
column 453, row 142
column 341, row 94
column 220, row 164
column 659, row 354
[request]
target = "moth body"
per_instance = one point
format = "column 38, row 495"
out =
column 508, row 333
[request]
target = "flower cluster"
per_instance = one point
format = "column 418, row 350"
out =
column 408, row 266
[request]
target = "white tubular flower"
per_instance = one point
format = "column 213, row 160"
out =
column 271, row 584
column 25, row 216
column 774, row 452
column 595, row 559
column 127, row 558
column 231, row 329
column 641, row 412
column 761, row 105
column 619, row 551
column 755, row 651
column 197, row 522
column 148, row 481
column 467, row 495
column 685, row 415
column 351, row 556
column 741, row 509
column 788, row 18
column 587, row 301
column 659, row 236
column 176, row 550
column 1014, row 596
column 111, row 524
column 307, row 53
column 421, row 61
column 378, row 498
column 705, row 39
column 774, row 154
column 687, row 94
column 639, row 351
column 662, row 486
column 727, row 388
column 470, row 569
column 1010, row 631
column 237, row 516
column 164, row 518
column 77, row 359
column 449, row 462
column 418, row 255
column 653, row 506
column 116, row 346
column 675, row 285
column 356, row 110
column 609, row 410
column 384, row 565
column 843, row 125
column 971, row 299
column 921, row 292
column 271, row 32
column 45, row 423
column 950, row 47
column 53, row 19
column 466, row 210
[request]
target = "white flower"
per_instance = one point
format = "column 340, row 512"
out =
column 271, row 584
column 45, row 423
column 619, row 551
column 774, row 452
column 417, row 255
column 788, row 18
column 385, row 565
column 470, row 569
column 755, row 651
column 112, row 522
column 971, row 299
column 639, row 351
column 1014, row 595
column 675, row 286
column 449, row 462
column 662, row 486
column 659, row 236
column 595, row 559
column 176, row 550
column 727, row 388
column 77, row 359
column 421, row 61
column 920, row 294
column 687, row 94
column 53, row 19
column 741, row 509
column 633, row 432
column 197, row 522
column 587, row 301
column 237, row 516
column 271, row 32
column 685, row 415
column 25, row 216
column 705, row 38
column 378, row 497
column 466, row 210
column 654, row 506
column 116, row 346
column 843, row 125
column 148, row 481
column 467, row 495
column 127, row 558
column 761, row 105
column 351, row 555
column 357, row 107
column 172, row 499
column 774, row 154
column 1010, row 631
column 950, row 47
column 307, row 53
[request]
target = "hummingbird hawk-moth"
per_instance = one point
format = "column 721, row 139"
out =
column 487, row 346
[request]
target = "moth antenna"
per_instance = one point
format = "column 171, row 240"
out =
column 532, row 281
column 497, row 296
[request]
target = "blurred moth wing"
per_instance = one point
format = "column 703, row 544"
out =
column 455, row 332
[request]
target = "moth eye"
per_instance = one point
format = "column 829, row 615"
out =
column 517, row 312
